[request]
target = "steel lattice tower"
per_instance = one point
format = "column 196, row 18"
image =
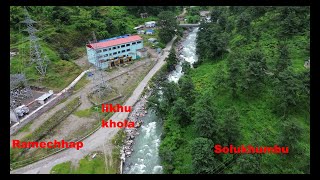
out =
column 19, row 87
column 37, row 56
column 100, row 85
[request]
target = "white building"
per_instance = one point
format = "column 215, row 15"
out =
column 150, row 24
column 114, row 51
column 42, row 99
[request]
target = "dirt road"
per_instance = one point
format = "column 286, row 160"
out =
column 96, row 140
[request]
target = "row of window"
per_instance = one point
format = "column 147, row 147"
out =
column 114, row 53
column 117, row 47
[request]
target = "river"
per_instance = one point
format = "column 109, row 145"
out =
column 145, row 157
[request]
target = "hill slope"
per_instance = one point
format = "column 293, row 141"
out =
column 250, row 88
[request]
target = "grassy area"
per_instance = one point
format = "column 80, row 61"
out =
column 63, row 168
column 87, row 165
column 84, row 113
column 80, row 84
column 25, row 128
column 59, row 73
column 100, row 164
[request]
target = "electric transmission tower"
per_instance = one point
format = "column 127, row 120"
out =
column 19, row 87
column 100, row 85
column 37, row 56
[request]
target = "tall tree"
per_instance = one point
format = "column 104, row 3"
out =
column 187, row 91
column 172, row 60
column 186, row 67
column 203, row 160
column 231, row 127
column 243, row 24
column 234, row 74
column 248, row 164
column 283, row 61
column 290, row 136
column 167, row 25
column 292, row 20
column 170, row 92
column 205, row 118
column 255, row 72
column 286, row 88
column 181, row 112
column 211, row 41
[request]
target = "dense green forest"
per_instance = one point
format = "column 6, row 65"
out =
column 64, row 31
column 249, row 87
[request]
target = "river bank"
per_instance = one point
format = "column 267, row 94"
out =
column 140, row 150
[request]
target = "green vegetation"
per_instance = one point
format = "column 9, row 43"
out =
column 193, row 14
column 63, row 168
column 250, row 88
column 87, row 165
column 167, row 26
column 63, row 33
column 84, row 113
column 25, row 128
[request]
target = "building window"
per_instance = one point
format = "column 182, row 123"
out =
column 123, row 51
column 119, row 52
column 118, row 46
column 128, row 49
column 139, row 42
column 106, row 55
column 122, row 46
column 109, row 48
column 105, row 50
column 110, row 54
column 114, row 53
column 128, row 45
column 114, row 47
column 133, row 43
column 99, row 51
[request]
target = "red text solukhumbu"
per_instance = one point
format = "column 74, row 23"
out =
column 250, row 149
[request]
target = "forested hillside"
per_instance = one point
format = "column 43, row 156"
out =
column 249, row 87
column 64, row 31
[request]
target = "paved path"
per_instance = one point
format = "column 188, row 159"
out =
column 97, row 139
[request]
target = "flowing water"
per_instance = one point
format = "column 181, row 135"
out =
column 145, row 158
column 188, row 54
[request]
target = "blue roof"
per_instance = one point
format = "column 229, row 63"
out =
column 118, row 37
column 149, row 30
